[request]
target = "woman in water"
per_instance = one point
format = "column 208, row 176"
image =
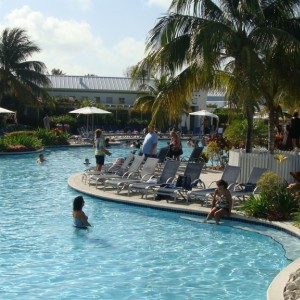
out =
column 222, row 202
column 80, row 218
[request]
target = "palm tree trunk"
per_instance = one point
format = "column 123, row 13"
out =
column 271, row 129
column 249, row 117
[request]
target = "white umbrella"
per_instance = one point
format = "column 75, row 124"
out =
column 5, row 111
column 89, row 110
column 205, row 113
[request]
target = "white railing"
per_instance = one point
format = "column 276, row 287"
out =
column 264, row 159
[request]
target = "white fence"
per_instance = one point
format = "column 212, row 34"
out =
column 265, row 160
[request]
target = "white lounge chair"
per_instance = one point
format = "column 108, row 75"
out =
column 242, row 191
column 167, row 176
column 134, row 167
column 192, row 172
column 145, row 174
column 119, row 169
column 230, row 175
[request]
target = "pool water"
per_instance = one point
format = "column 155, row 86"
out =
column 129, row 253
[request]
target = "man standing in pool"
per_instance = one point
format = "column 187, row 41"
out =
column 222, row 202
column 150, row 143
column 100, row 151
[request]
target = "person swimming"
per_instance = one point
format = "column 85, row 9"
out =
column 41, row 159
column 86, row 161
column 80, row 218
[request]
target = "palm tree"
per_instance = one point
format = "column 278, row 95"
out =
column 57, row 72
column 198, row 39
column 19, row 77
column 158, row 102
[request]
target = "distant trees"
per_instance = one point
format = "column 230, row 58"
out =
column 57, row 72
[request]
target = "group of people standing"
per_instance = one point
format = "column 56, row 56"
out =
column 149, row 147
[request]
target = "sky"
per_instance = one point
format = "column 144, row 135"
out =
column 80, row 37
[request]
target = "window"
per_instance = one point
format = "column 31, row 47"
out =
column 97, row 99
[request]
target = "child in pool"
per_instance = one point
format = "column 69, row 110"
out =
column 86, row 162
column 41, row 159
column 80, row 218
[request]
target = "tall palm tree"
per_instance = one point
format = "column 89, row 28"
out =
column 198, row 39
column 159, row 102
column 18, row 76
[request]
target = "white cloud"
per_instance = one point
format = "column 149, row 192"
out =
column 163, row 3
column 71, row 46
column 82, row 4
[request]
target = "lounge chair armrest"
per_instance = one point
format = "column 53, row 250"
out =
column 231, row 187
column 256, row 190
column 146, row 177
column 213, row 182
column 170, row 179
column 133, row 175
column 125, row 175
column 239, row 186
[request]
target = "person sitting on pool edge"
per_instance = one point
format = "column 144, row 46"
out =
column 80, row 218
column 222, row 202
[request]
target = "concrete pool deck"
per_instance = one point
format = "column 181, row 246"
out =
column 276, row 288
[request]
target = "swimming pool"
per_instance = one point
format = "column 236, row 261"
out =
column 130, row 253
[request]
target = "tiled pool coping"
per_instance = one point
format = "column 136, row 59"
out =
column 276, row 288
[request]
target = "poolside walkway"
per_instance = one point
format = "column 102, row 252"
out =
column 207, row 176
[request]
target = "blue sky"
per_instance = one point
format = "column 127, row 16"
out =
column 80, row 37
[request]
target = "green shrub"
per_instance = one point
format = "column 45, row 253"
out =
column 236, row 132
column 269, row 181
column 274, row 202
column 52, row 137
column 20, row 141
column 296, row 218
column 64, row 119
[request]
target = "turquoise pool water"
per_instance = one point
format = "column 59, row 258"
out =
column 130, row 253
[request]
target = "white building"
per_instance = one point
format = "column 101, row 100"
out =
column 117, row 93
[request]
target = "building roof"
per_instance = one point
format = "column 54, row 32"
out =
column 215, row 93
column 92, row 83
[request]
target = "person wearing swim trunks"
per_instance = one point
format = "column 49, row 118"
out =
column 222, row 202
column 100, row 150
column 80, row 218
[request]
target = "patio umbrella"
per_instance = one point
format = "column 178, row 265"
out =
column 5, row 111
column 89, row 110
column 205, row 113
